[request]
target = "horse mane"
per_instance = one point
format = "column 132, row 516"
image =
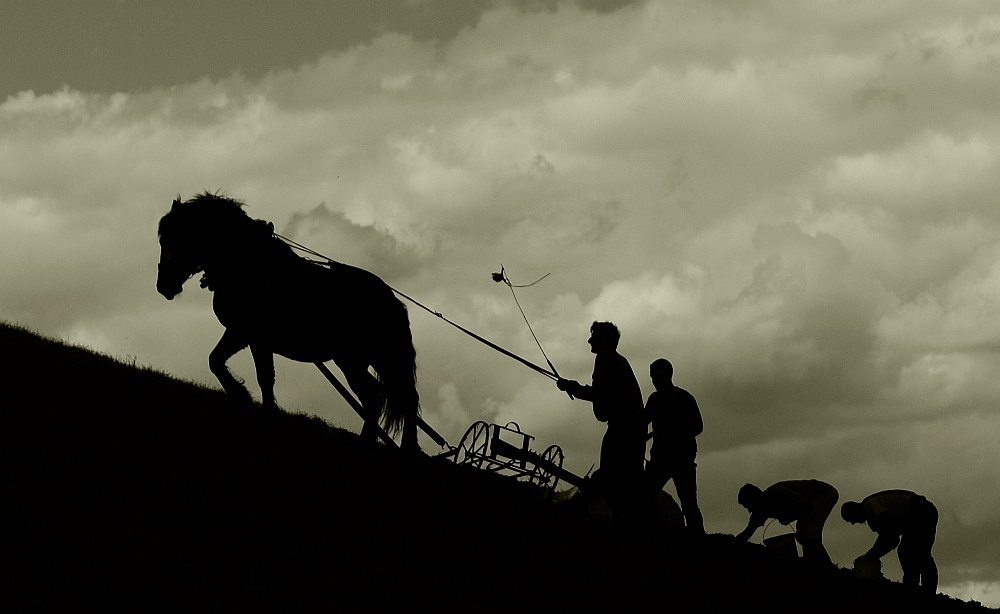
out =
column 212, row 211
column 214, row 199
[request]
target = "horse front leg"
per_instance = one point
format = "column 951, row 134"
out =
column 228, row 345
column 263, row 361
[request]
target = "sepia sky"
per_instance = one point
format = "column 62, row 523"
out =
column 794, row 202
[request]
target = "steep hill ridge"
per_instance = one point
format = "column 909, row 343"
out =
column 124, row 487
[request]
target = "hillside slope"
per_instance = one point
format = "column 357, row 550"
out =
column 126, row 488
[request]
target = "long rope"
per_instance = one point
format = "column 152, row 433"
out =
column 496, row 347
column 327, row 260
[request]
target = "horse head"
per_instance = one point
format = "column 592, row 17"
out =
column 177, row 258
column 202, row 232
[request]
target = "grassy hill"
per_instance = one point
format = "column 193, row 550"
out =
column 125, row 488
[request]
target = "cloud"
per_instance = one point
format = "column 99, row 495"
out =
column 792, row 202
column 330, row 232
column 934, row 175
column 959, row 312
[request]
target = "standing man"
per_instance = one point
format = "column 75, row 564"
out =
column 905, row 519
column 676, row 421
column 617, row 400
column 807, row 501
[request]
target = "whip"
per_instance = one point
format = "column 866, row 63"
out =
column 501, row 277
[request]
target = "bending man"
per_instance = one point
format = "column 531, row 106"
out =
column 905, row 519
column 807, row 501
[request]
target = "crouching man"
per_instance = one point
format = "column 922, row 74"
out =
column 900, row 518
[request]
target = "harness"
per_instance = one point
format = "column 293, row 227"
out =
column 331, row 263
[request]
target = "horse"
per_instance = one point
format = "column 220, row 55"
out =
column 274, row 301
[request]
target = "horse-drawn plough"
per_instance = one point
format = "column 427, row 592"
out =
column 487, row 446
column 260, row 286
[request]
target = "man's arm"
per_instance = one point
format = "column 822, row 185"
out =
column 604, row 387
column 648, row 413
column 695, row 425
column 744, row 536
column 889, row 530
column 576, row 389
column 882, row 546
column 886, row 524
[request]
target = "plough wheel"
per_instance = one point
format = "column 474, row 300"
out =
column 471, row 449
column 545, row 476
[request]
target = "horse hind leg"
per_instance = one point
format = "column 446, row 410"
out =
column 369, row 392
column 393, row 357
column 402, row 405
column 228, row 346
column 411, row 410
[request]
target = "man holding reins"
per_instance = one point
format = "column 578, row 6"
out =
column 617, row 400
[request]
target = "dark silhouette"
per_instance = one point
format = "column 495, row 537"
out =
column 617, row 400
column 154, row 499
column 901, row 518
column 809, row 502
column 676, row 422
column 504, row 450
column 276, row 302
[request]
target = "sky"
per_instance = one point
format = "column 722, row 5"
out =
column 794, row 202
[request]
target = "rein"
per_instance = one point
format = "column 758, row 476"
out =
column 326, row 261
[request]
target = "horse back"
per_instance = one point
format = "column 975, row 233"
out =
column 352, row 276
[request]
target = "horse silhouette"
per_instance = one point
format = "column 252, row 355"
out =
column 275, row 302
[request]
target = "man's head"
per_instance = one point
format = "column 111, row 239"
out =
column 604, row 337
column 749, row 496
column 661, row 372
column 853, row 512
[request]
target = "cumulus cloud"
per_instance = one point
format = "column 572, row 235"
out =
column 330, row 232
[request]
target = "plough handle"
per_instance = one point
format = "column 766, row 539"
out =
column 438, row 439
column 344, row 392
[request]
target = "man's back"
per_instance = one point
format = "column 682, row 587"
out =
column 617, row 397
column 887, row 508
column 676, row 423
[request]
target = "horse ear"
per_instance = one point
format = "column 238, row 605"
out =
column 176, row 202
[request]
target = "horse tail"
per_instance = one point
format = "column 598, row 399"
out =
column 396, row 367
